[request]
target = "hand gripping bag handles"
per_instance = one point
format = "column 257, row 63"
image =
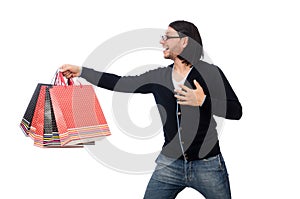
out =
column 78, row 115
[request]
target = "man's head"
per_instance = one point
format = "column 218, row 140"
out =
column 182, row 39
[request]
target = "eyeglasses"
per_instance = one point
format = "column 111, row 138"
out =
column 166, row 37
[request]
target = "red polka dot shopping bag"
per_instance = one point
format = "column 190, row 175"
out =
column 64, row 115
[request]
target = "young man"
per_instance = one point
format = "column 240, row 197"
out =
column 189, row 92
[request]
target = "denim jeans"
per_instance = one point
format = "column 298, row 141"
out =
column 208, row 176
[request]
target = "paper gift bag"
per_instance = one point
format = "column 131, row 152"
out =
column 27, row 118
column 72, row 119
column 39, row 122
column 43, row 129
column 36, row 131
column 78, row 114
column 33, row 120
column 50, row 135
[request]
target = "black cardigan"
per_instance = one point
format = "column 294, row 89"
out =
column 199, row 137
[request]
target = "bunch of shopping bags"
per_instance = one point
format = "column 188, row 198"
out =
column 63, row 114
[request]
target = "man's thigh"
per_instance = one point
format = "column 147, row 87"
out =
column 161, row 190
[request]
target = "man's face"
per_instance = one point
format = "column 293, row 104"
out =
column 172, row 46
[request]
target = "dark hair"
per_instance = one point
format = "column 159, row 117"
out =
column 194, row 50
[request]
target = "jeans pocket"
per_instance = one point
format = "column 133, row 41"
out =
column 210, row 158
column 216, row 162
column 221, row 162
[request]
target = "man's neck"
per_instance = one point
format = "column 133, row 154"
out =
column 180, row 67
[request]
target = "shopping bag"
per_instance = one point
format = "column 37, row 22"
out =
column 51, row 137
column 77, row 120
column 43, row 129
column 32, row 123
column 36, row 130
column 78, row 115
column 26, row 121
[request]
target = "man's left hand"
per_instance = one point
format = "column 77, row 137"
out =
column 192, row 97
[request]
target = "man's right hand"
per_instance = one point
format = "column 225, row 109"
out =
column 70, row 71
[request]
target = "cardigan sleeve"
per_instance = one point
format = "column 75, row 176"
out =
column 130, row 84
column 227, row 106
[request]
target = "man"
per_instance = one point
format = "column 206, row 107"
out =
column 189, row 92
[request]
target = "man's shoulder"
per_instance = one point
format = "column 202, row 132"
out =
column 205, row 65
column 160, row 69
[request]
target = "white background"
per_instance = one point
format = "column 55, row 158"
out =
column 256, row 43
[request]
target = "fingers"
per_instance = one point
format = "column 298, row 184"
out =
column 70, row 71
column 187, row 96
column 197, row 84
column 183, row 102
column 64, row 68
column 180, row 92
column 69, row 67
column 68, row 74
column 183, row 93
column 185, row 88
column 180, row 97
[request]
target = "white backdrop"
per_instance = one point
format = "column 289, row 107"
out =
column 256, row 43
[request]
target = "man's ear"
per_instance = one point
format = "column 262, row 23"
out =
column 185, row 41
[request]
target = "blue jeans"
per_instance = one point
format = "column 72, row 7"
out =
column 208, row 176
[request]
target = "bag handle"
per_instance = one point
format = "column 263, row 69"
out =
column 59, row 80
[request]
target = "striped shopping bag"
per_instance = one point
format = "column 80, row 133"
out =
column 26, row 121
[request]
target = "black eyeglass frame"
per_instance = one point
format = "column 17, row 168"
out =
column 166, row 37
